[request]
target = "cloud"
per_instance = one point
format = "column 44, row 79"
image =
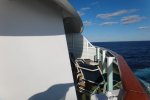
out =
column 107, row 23
column 94, row 3
column 133, row 10
column 131, row 19
column 144, row 27
column 87, row 23
column 117, row 13
column 85, row 8
column 109, row 15
column 81, row 13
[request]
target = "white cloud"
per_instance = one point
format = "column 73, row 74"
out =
column 85, row 8
column 108, row 23
column 109, row 15
column 144, row 27
column 133, row 10
column 81, row 13
column 131, row 19
column 117, row 13
column 94, row 3
column 87, row 23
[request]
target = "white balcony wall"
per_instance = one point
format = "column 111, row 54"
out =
column 80, row 46
column 34, row 60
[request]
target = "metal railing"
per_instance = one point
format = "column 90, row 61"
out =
column 109, row 59
column 130, row 83
column 106, row 58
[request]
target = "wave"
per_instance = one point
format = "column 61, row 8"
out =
column 143, row 74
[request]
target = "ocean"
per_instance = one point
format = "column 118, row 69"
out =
column 137, row 55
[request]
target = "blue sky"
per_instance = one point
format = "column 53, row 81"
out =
column 114, row 20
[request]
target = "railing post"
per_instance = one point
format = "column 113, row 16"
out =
column 103, row 60
column 110, row 72
column 98, row 54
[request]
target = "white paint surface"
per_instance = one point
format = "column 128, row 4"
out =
column 34, row 59
column 30, row 65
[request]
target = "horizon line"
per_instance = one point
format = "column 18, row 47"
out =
column 125, row 41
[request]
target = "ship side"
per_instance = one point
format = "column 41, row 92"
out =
column 44, row 56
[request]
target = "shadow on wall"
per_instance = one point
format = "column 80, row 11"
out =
column 78, row 45
column 56, row 92
column 75, row 44
column 30, row 18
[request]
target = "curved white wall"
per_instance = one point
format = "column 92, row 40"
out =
column 34, row 61
column 79, row 46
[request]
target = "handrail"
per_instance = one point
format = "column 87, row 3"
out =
column 133, row 88
column 92, row 70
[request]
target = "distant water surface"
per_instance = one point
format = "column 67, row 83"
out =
column 137, row 55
